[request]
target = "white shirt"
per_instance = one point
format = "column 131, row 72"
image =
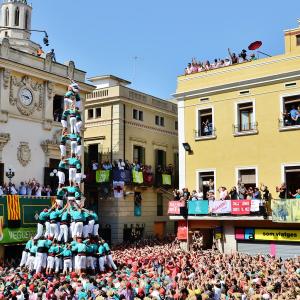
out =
column 39, row 192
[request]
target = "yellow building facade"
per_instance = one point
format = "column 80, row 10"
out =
column 123, row 123
column 241, row 123
column 249, row 137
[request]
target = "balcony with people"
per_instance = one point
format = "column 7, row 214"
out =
column 241, row 202
column 197, row 66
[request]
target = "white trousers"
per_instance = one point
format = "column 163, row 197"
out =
column 39, row 233
column 72, row 174
column 78, row 150
column 73, row 147
column 76, row 262
column 96, row 230
column 91, row 226
column 60, row 203
column 78, row 126
column 61, row 177
column 50, row 262
column 24, row 258
column 64, row 123
column 90, row 263
column 67, row 265
column 63, row 151
column 54, row 230
column 101, row 263
column 72, row 226
column 78, row 178
column 85, row 231
column 82, row 262
column 110, row 262
column 40, row 262
column 63, row 232
column 73, row 124
column 58, row 264
column 30, row 262
column 78, row 228
column 68, row 102
column 47, row 231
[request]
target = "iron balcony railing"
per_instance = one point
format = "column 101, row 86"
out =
column 202, row 134
column 244, row 128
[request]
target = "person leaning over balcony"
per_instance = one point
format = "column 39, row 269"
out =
column 233, row 195
column 188, row 69
column 223, row 193
column 282, row 191
column 176, row 194
column 252, row 57
column 297, row 195
column 256, row 193
column 234, row 58
column 294, row 113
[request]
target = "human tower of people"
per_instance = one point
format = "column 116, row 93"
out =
column 67, row 236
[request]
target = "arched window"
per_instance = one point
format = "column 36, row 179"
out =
column 26, row 20
column 7, row 17
column 17, row 17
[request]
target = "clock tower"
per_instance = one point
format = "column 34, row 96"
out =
column 15, row 24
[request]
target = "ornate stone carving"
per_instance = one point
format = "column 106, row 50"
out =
column 6, row 78
column 4, row 139
column 48, row 62
column 5, row 46
column 71, row 69
column 24, row 154
column 50, row 90
column 37, row 90
column 50, row 148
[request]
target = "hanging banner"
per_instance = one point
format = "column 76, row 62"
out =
column 166, row 179
column 148, row 178
column 13, row 208
column 137, row 177
column 174, row 207
column 16, row 235
column 286, row 210
column 220, row 206
column 102, row 176
column 118, row 187
column 255, row 203
column 240, row 207
column 182, row 230
column 198, row 207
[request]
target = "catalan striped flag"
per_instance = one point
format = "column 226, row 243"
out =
column 13, row 208
column 53, row 200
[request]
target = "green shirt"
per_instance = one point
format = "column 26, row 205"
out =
column 33, row 249
column 54, row 249
column 28, row 245
column 81, row 247
column 43, row 216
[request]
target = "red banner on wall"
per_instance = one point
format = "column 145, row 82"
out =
column 240, row 207
column 174, row 207
column 182, row 230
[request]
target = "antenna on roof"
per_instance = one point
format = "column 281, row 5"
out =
column 135, row 58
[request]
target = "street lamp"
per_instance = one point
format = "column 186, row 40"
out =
column 10, row 173
column 45, row 39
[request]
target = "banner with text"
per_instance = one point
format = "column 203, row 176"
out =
column 286, row 210
column 240, row 207
column 182, row 230
column 16, row 235
column 174, row 207
column 220, row 206
column 198, row 207
column 102, row 176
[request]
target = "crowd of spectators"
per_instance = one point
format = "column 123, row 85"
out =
column 198, row 66
column 26, row 188
column 161, row 270
column 236, row 192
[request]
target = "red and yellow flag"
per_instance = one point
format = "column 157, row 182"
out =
column 13, row 208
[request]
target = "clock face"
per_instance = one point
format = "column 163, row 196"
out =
column 26, row 97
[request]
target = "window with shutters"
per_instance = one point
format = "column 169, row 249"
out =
column 247, row 177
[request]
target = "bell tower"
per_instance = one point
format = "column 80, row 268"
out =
column 15, row 24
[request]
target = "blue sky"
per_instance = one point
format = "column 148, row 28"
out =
column 103, row 37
